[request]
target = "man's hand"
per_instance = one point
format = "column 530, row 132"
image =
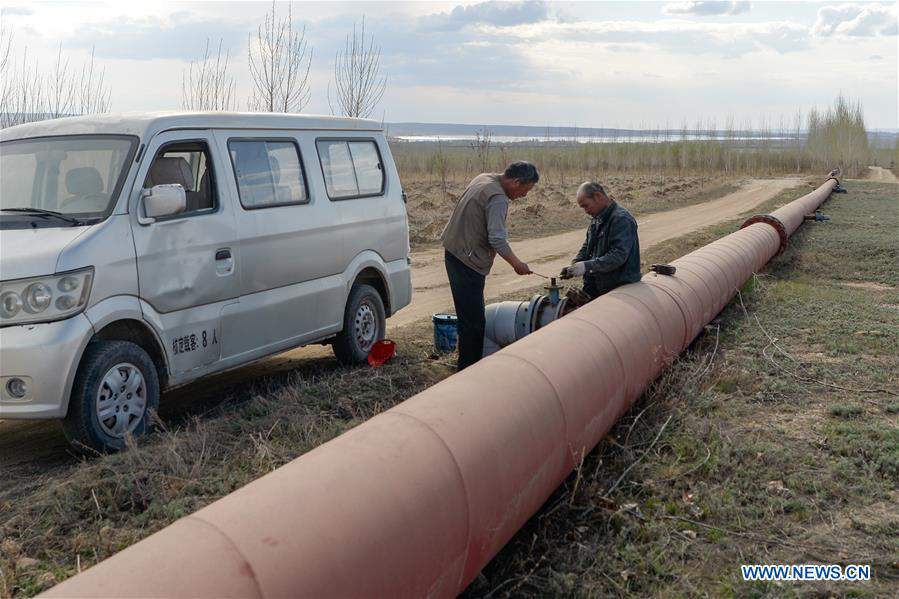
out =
column 521, row 268
column 575, row 270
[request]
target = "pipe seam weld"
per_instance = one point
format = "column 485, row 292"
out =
column 677, row 302
column 552, row 386
column 655, row 318
column 714, row 267
column 443, row 442
column 195, row 517
column 575, row 316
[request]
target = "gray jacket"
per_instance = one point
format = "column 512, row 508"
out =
column 476, row 230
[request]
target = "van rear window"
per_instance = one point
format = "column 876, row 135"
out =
column 268, row 173
column 352, row 169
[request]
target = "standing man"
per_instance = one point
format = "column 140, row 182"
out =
column 474, row 235
column 610, row 256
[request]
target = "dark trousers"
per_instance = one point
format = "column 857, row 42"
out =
column 467, row 286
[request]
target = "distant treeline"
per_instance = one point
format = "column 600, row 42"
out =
column 834, row 137
column 582, row 134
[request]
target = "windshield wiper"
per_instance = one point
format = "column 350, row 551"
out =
column 42, row 212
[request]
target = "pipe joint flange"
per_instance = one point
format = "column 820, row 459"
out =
column 839, row 188
column 774, row 222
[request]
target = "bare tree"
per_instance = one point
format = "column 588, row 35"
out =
column 6, row 75
column 207, row 83
column 23, row 95
column 60, row 88
column 68, row 92
column 5, row 47
column 359, row 83
column 440, row 164
column 27, row 94
column 481, row 147
column 92, row 95
column 280, row 58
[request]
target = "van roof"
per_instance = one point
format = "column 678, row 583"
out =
column 147, row 124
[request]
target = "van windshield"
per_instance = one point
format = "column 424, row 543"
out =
column 76, row 176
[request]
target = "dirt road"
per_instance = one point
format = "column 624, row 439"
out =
column 878, row 173
column 27, row 448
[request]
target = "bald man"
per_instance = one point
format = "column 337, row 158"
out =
column 610, row 256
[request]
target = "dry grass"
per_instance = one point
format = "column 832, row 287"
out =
column 695, row 504
column 87, row 510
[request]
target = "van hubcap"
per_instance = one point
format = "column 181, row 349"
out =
column 365, row 326
column 121, row 400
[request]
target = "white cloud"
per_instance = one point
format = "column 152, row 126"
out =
column 707, row 8
column 857, row 20
column 180, row 36
column 528, row 63
column 491, row 13
column 677, row 36
column 8, row 11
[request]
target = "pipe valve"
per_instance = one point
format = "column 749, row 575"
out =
column 553, row 290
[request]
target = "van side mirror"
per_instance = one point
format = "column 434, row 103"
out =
column 160, row 201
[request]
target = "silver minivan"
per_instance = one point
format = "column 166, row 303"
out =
column 139, row 252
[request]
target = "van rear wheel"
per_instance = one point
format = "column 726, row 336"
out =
column 364, row 323
column 115, row 391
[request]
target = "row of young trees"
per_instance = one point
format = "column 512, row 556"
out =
column 28, row 93
column 279, row 62
column 824, row 139
column 838, row 136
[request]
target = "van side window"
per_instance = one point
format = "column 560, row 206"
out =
column 367, row 163
column 268, row 173
column 351, row 169
column 188, row 165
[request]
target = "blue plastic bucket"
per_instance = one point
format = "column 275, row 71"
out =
column 446, row 335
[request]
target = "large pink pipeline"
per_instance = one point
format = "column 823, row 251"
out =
column 416, row 501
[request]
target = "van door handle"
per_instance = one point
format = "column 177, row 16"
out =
column 224, row 263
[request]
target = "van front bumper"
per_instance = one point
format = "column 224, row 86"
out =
column 46, row 357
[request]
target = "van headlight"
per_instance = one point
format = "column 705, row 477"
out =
column 42, row 299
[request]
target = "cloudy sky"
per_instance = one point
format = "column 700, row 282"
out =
column 618, row 64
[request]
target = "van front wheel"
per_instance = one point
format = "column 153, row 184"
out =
column 115, row 391
column 364, row 323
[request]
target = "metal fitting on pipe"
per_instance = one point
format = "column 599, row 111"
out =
column 415, row 501
column 507, row 322
column 817, row 216
column 774, row 222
